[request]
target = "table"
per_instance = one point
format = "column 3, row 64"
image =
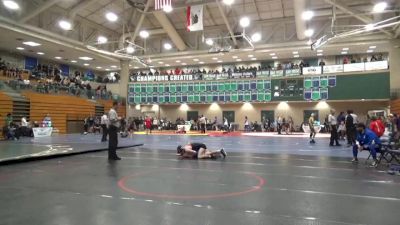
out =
column 42, row 131
column 186, row 127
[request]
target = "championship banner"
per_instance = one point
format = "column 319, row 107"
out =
column 194, row 18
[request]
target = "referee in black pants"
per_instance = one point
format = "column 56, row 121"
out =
column 113, row 133
column 332, row 120
column 104, row 122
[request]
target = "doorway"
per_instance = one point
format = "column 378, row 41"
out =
column 307, row 114
column 192, row 115
column 230, row 115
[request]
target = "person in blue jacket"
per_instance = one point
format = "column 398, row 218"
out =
column 367, row 140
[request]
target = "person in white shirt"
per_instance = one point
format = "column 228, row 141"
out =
column 104, row 123
column 113, row 133
column 203, row 122
column 24, row 123
column 332, row 120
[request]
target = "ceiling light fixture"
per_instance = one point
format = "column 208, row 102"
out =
column 196, row 60
column 250, row 56
column 370, row 51
column 99, row 67
column 253, row 59
column 31, row 43
column 307, row 15
column 372, row 47
column 9, row 4
column 130, row 49
column 65, row 25
column 320, row 50
column 220, row 61
column 113, row 66
column 256, row 37
column 345, row 49
column 209, row 41
column 309, row 42
column 228, row 2
column 167, row 65
column 85, row 58
column 86, row 64
column 296, row 56
column 238, row 60
column 244, row 22
column 379, row 7
column 235, row 57
column 102, row 40
column 58, row 57
column 215, row 58
column 178, row 61
column 309, row 32
column 167, row 8
column 40, row 53
column 275, row 57
column 112, row 17
column 74, row 61
column 20, row 48
column 295, row 53
column 184, row 64
column 369, row 27
column 144, row 34
column 160, row 62
column 167, row 46
column 320, row 54
column 136, row 67
column 272, row 54
column 201, row 62
column 343, row 53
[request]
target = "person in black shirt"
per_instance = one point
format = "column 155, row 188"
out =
column 199, row 151
column 350, row 129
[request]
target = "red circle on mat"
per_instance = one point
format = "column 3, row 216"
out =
column 123, row 186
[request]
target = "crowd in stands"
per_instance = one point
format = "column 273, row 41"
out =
column 358, row 59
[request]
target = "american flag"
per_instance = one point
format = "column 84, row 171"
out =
column 160, row 4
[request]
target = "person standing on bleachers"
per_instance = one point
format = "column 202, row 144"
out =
column 113, row 133
column 104, row 122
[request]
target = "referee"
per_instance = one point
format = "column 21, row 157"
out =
column 113, row 133
column 332, row 120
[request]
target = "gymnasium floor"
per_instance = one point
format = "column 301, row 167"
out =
column 264, row 180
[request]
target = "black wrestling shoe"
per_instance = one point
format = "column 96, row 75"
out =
column 114, row 158
column 223, row 152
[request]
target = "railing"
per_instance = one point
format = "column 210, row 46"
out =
column 19, row 85
column 314, row 70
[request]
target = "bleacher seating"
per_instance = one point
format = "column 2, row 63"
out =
column 59, row 107
column 395, row 106
column 108, row 104
column 6, row 106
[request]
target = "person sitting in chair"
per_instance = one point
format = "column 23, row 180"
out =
column 367, row 140
column 199, row 151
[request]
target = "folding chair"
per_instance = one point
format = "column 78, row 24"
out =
column 395, row 155
column 382, row 153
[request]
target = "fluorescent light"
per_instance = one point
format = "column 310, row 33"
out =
column 167, row 46
column 256, row 37
column 144, row 34
column 215, row 58
column 320, row 50
column 309, row 32
column 107, row 69
column 196, row 60
column 370, row 50
column 130, row 49
column 379, row 7
column 320, row 54
column 58, row 57
column 160, row 62
column 20, row 48
column 136, row 67
column 102, row 40
column 345, row 49
column 167, row 8
column 369, row 27
column 235, row 57
column 184, row 64
column 31, row 43
column 86, row 64
column 228, row 2
column 98, row 67
column 74, row 61
column 209, row 41
column 253, row 59
column 372, row 47
column 85, row 58
column 220, row 61
column 307, row 15
column 113, row 66
column 272, row 54
column 9, row 4
column 344, row 53
column 178, row 61
column 238, row 60
column 296, row 56
column 112, row 17
column 295, row 53
column 274, row 57
column 167, row 65
column 65, row 25
column 244, row 22
column 40, row 53
column 201, row 62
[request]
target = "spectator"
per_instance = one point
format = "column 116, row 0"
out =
column 377, row 126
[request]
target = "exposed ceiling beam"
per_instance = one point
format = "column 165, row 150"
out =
column 78, row 7
column 170, row 29
column 346, row 9
column 258, row 12
column 140, row 22
column 38, row 10
column 207, row 10
column 228, row 26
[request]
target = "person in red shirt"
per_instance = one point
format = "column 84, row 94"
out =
column 377, row 126
column 148, row 124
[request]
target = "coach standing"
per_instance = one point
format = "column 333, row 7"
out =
column 104, row 123
column 113, row 133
